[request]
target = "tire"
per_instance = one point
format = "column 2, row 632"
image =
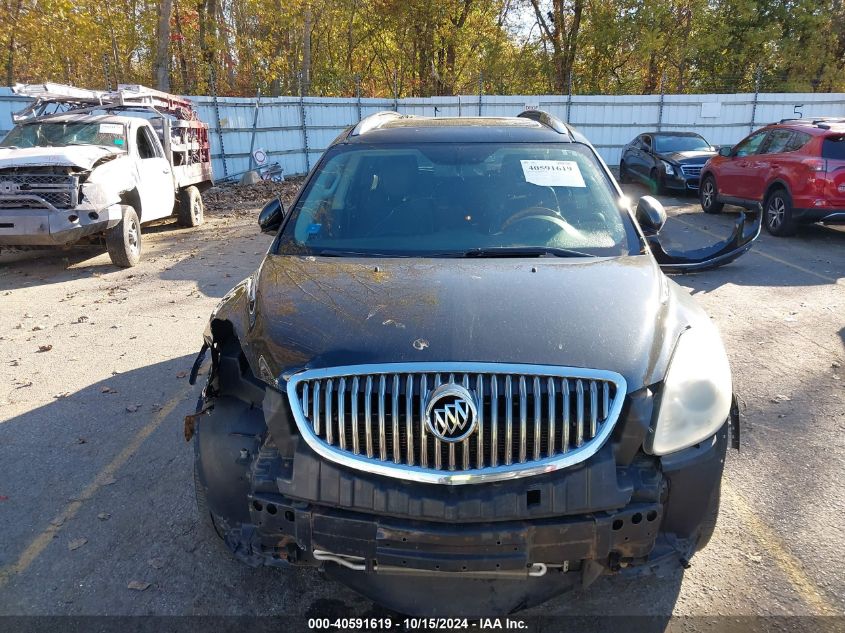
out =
column 191, row 210
column 123, row 240
column 624, row 177
column 707, row 196
column 708, row 525
column 777, row 214
column 655, row 185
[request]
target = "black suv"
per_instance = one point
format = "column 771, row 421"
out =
column 459, row 381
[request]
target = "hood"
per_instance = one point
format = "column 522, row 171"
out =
column 688, row 158
column 619, row 314
column 81, row 156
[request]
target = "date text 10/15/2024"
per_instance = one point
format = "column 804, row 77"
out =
column 385, row 624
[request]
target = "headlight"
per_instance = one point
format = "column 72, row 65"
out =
column 669, row 169
column 697, row 391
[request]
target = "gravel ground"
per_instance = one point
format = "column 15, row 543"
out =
column 95, row 477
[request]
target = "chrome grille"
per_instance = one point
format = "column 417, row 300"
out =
column 27, row 190
column 691, row 170
column 530, row 419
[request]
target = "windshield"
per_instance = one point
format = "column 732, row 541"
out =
column 459, row 200
column 56, row 134
column 669, row 144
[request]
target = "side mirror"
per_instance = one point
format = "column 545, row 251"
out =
column 651, row 215
column 725, row 151
column 271, row 216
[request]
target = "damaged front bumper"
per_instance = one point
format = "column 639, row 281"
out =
column 47, row 225
column 713, row 256
column 414, row 547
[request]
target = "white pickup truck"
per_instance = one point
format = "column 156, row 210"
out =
column 98, row 169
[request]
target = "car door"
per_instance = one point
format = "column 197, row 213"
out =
column 734, row 173
column 646, row 156
column 767, row 162
column 155, row 176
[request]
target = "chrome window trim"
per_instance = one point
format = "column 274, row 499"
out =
column 426, row 475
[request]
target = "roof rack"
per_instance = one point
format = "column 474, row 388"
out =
column 817, row 121
column 375, row 121
column 544, row 118
column 64, row 99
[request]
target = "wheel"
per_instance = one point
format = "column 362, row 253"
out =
column 778, row 214
column 707, row 196
column 191, row 211
column 624, row 177
column 123, row 240
column 655, row 185
column 708, row 525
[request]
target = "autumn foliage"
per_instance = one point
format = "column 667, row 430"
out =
column 427, row 47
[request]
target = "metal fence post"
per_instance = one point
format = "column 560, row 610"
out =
column 480, row 91
column 758, row 76
column 217, row 118
column 569, row 96
column 395, row 90
column 660, row 103
column 358, row 94
column 303, row 124
column 254, row 128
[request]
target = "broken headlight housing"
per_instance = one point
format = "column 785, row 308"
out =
column 696, row 395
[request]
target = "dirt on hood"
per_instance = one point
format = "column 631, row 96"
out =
column 241, row 198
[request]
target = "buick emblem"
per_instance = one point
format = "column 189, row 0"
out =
column 451, row 414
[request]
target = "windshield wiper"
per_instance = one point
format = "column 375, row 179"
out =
column 524, row 251
column 347, row 253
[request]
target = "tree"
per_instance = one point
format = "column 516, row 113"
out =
column 162, row 58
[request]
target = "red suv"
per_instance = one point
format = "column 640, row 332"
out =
column 795, row 168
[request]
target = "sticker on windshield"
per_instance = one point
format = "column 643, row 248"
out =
column 553, row 173
column 111, row 128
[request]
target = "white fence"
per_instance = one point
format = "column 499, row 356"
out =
column 294, row 132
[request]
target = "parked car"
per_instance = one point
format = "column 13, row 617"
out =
column 665, row 161
column 795, row 168
column 459, row 381
column 101, row 166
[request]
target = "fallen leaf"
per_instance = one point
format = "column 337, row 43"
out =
column 107, row 390
column 64, row 394
column 138, row 585
column 156, row 563
column 181, row 374
column 109, row 481
column 57, row 522
column 104, row 516
column 45, row 348
column 81, row 440
column 77, row 543
column 37, row 328
column 132, row 408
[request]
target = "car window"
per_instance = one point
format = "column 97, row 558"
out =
column 146, row 145
column 666, row 144
column 750, row 145
column 449, row 198
column 833, row 148
column 59, row 134
column 798, row 140
column 777, row 142
column 647, row 143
